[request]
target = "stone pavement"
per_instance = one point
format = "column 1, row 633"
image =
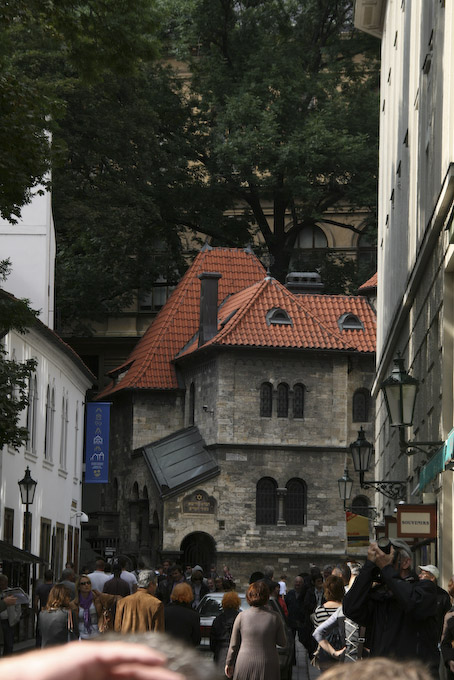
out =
column 303, row 670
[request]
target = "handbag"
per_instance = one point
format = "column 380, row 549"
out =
column 105, row 623
column 71, row 634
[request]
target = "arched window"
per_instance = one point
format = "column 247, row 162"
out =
column 295, row 502
column 64, row 433
column 298, row 401
column 278, row 317
column 266, row 400
column 360, row 506
column 49, row 436
column 191, row 404
column 350, row 322
column 76, row 441
column 31, row 414
column 135, row 492
column 266, row 501
column 366, row 256
column 282, row 401
column 115, row 494
column 311, row 237
column 360, row 406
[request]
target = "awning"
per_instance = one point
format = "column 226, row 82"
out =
column 179, row 461
column 9, row 553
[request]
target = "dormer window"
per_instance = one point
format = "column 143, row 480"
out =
column 278, row 317
column 350, row 322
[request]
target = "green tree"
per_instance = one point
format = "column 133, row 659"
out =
column 46, row 47
column 285, row 107
column 14, row 375
column 119, row 194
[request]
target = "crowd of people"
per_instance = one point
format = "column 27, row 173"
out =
column 342, row 613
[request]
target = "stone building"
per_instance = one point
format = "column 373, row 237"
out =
column 231, row 420
column 415, row 312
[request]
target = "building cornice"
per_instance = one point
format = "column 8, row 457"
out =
column 369, row 16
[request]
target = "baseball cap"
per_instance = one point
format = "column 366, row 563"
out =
column 432, row 569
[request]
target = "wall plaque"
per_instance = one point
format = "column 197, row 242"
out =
column 199, row 502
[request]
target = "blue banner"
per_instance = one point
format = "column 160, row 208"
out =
column 97, row 443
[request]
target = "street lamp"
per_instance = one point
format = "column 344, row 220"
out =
column 27, row 487
column 400, row 391
column 361, row 451
column 345, row 485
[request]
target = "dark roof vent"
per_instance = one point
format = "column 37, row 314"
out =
column 304, row 282
column 278, row 317
column 350, row 322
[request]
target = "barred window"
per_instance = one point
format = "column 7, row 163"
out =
column 266, row 501
column 295, row 502
column 266, row 400
column 282, row 401
column 298, row 401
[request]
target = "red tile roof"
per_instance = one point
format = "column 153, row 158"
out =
column 370, row 283
column 150, row 362
column 243, row 320
column 247, row 296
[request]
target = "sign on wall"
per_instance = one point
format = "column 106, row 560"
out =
column 416, row 521
column 357, row 530
column 97, row 443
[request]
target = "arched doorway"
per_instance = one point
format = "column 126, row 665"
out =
column 198, row 548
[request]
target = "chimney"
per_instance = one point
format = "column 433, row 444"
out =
column 208, row 325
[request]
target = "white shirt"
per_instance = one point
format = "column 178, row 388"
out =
column 129, row 578
column 98, row 579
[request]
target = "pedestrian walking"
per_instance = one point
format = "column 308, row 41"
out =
column 141, row 611
column 180, row 619
column 252, row 652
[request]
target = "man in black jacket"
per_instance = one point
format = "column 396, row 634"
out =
column 398, row 610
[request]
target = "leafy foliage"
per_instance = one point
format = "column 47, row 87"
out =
column 286, row 111
column 14, row 375
column 118, row 196
column 45, row 47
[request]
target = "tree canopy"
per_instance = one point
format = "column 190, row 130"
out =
column 45, row 47
column 274, row 125
column 286, row 112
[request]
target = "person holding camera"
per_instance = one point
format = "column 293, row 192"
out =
column 398, row 610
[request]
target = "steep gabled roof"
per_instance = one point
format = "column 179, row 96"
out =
column 310, row 321
column 149, row 365
column 369, row 284
column 248, row 299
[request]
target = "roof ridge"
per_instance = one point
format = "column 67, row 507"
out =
column 236, row 318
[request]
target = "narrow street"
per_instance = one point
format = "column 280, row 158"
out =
column 303, row 669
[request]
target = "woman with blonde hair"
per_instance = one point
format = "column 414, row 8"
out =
column 180, row 620
column 221, row 630
column 96, row 610
column 57, row 621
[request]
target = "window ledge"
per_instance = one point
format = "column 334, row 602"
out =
column 62, row 473
column 29, row 455
column 48, row 464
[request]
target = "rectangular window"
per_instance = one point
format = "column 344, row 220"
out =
column 57, row 557
column 69, row 546
column 8, row 526
column 44, row 543
column 76, row 549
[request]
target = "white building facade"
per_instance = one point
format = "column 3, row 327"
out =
column 56, row 411
column 415, row 310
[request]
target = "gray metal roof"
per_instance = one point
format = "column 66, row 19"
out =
column 179, row 461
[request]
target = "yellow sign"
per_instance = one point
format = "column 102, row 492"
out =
column 357, row 530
